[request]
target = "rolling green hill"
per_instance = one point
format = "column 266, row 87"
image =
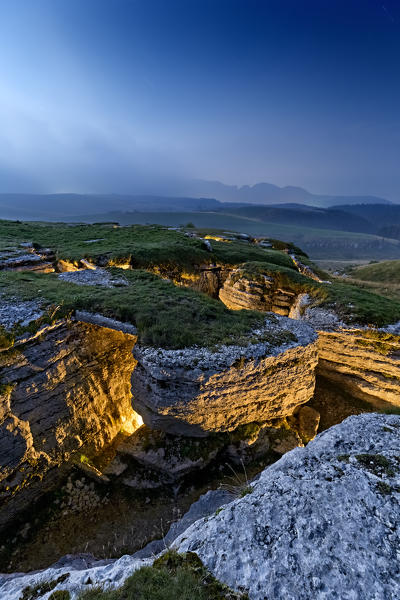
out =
column 318, row 243
column 385, row 272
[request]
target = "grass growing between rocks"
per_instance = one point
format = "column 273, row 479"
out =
column 155, row 247
column 173, row 576
column 41, row 588
column 166, row 315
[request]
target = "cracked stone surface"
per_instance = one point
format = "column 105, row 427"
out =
column 322, row 523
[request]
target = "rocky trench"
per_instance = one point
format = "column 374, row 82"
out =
column 72, row 446
column 363, row 362
column 322, row 522
column 73, row 451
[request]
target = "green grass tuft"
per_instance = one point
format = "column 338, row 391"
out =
column 173, row 576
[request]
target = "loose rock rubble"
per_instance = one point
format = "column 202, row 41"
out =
column 96, row 276
column 80, row 496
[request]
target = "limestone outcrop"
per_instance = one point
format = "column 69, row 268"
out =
column 64, row 391
column 322, row 522
column 263, row 293
column 364, row 362
column 26, row 258
column 197, row 391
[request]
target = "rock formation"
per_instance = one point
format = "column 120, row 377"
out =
column 338, row 528
column 241, row 291
column 197, row 391
column 322, row 522
column 364, row 362
column 64, row 391
column 27, row 258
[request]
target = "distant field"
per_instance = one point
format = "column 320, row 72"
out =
column 381, row 278
column 385, row 272
column 318, row 243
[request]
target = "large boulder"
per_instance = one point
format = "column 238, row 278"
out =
column 323, row 522
column 197, row 391
column 262, row 292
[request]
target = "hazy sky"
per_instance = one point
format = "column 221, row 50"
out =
column 124, row 95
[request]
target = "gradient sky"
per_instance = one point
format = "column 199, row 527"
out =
column 131, row 95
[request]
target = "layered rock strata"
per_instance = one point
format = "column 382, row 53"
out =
column 241, row 292
column 197, row 391
column 364, row 362
column 64, row 391
column 27, row 258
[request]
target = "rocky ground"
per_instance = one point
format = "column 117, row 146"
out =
column 237, row 388
column 335, row 535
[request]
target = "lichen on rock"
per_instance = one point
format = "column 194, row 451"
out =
column 320, row 522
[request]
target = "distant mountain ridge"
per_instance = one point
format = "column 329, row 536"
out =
column 268, row 193
column 185, row 195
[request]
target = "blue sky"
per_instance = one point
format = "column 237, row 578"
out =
column 133, row 95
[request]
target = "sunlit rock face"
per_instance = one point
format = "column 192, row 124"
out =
column 240, row 292
column 364, row 362
column 67, row 390
column 207, row 278
column 197, row 391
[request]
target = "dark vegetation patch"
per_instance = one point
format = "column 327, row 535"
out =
column 41, row 588
column 172, row 576
column 376, row 463
column 6, row 338
column 166, row 315
column 383, row 488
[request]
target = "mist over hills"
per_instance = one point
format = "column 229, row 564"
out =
column 61, row 206
column 307, row 216
column 184, row 195
column 267, row 193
